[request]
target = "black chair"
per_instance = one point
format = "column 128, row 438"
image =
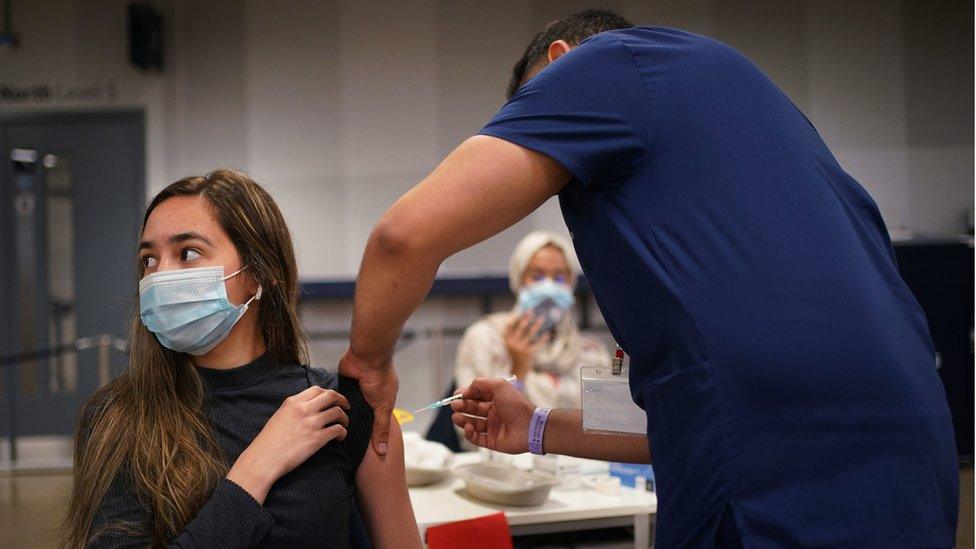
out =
column 442, row 429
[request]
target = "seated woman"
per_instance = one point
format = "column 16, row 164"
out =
column 217, row 434
column 538, row 341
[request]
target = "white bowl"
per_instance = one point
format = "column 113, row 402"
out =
column 426, row 462
column 504, row 484
column 424, row 477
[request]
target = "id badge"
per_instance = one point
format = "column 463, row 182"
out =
column 608, row 407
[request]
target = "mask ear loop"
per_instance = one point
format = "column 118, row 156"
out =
column 235, row 273
column 256, row 296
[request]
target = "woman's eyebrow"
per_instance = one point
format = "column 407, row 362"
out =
column 177, row 238
column 183, row 237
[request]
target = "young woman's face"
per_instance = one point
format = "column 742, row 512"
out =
column 182, row 233
column 548, row 262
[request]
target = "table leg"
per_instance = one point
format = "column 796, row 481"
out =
column 642, row 531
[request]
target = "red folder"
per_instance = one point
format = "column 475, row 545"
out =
column 489, row 532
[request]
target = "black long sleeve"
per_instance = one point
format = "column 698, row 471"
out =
column 309, row 507
column 230, row 518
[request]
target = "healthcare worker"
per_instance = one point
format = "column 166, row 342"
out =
column 786, row 371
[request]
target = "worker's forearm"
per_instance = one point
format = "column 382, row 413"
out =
column 390, row 286
column 564, row 435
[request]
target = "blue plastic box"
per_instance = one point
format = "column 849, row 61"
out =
column 627, row 472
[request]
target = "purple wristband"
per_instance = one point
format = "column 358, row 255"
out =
column 537, row 426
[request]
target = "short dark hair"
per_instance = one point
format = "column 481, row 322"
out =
column 573, row 29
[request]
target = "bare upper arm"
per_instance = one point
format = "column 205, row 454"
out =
column 384, row 502
column 484, row 186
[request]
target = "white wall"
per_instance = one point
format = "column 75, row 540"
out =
column 340, row 106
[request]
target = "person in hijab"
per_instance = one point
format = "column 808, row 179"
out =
column 538, row 340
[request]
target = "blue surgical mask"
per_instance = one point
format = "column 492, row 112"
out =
column 532, row 295
column 188, row 309
column 546, row 299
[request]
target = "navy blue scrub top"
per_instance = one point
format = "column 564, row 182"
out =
column 786, row 370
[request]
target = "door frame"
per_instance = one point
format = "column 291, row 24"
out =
column 136, row 118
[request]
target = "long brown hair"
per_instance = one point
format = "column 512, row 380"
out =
column 149, row 424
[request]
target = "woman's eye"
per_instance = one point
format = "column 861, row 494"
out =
column 536, row 277
column 561, row 279
column 148, row 261
column 189, row 254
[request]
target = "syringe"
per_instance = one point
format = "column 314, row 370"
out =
column 445, row 401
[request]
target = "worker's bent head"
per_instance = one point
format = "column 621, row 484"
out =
column 560, row 36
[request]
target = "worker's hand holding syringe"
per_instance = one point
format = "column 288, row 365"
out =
column 495, row 415
column 456, row 396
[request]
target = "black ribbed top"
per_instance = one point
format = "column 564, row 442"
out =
column 310, row 506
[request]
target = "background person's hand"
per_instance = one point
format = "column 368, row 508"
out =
column 379, row 385
column 506, row 413
column 522, row 341
column 303, row 424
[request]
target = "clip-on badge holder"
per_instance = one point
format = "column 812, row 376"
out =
column 608, row 407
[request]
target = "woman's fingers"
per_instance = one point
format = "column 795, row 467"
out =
column 514, row 325
column 325, row 399
column 520, row 326
column 307, row 394
column 542, row 341
column 537, row 325
column 526, row 327
column 333, row 415
column 333, row 432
